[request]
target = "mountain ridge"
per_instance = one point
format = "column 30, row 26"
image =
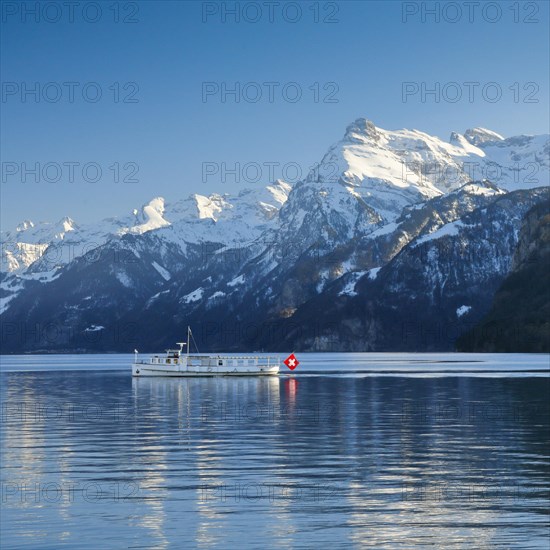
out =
column 281, row 255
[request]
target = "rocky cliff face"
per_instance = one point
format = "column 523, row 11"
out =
column 534, row 239
column 519, row 317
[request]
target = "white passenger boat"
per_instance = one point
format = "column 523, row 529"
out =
column 177, row 362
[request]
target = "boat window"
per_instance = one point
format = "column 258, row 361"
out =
column 220, row 362
column 168, row 360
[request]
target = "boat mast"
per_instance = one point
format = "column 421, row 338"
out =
column 188, row 333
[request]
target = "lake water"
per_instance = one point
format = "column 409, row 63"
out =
column 349, row 451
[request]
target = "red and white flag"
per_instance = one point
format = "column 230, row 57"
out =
column 291, row 361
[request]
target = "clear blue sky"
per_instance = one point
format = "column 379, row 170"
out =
column 170, row 52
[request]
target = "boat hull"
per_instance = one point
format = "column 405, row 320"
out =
column 179, row 371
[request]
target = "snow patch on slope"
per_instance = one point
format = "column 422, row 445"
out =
column 164, row 273
column 194, row 296
column 462, row 310
column 448, row 230
column 349, row 288
column 123, row 279
column 373, row 273
column 236, row 281
column 94, row 328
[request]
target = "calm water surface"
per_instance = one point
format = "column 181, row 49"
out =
column 354, row 450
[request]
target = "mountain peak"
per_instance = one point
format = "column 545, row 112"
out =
column 456, row 138
column 360, row 130
column 478, row 136
column 210, row 206
column 150, row 217
column 24, row 225
column 67, row 224
column 157, row 203
column 279, row 190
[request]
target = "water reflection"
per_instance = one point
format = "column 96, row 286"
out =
column 97, row 459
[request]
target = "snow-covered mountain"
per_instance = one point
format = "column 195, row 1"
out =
column 243, row 268
column 39, row 251
column 197, row 218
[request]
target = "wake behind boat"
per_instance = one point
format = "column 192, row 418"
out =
column 176, row 362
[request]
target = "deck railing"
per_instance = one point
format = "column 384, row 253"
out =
column 213, row 360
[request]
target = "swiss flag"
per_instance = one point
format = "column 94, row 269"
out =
column 291, row 361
